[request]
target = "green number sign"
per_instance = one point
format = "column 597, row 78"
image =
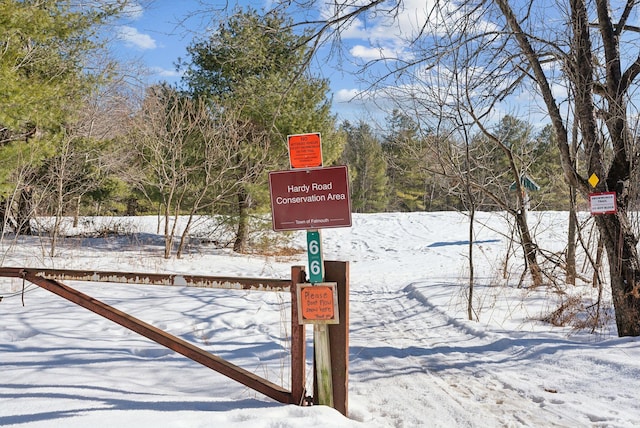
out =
column 314, row 253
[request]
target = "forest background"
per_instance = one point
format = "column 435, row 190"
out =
column 79, row 136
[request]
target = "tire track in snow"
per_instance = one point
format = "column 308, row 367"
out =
column 409, row 360
column 392, row 338
column 401, row 335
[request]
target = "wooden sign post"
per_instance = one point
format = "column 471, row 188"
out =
column 320, row 331
column 308, row 197
column 319, row 306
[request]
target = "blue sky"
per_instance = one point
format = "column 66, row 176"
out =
column 158, row 33
column 153, row 35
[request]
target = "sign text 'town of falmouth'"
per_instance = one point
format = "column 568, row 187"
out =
column 310, row 198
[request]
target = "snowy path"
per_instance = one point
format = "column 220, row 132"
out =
column 408, row 343
column 428, row 363
column 414, row 355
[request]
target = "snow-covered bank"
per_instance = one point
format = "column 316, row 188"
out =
column 415, row 359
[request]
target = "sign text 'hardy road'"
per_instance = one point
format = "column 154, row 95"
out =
column 310, row 198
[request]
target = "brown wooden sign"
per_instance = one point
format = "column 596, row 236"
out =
column 310, row 198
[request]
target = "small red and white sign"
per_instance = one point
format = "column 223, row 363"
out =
column 303, row 199
column 305, row 150
column 603, row 203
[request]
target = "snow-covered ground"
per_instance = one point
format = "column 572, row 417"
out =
column 415, row 358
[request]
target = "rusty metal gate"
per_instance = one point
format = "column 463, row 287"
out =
column 49, row 279
column 335, row 271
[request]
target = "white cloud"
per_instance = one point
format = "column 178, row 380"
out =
column 366, row 53
column 346, row 95
column 165, row 72
column 375, row 41
column 133, row 38
column 384, row 34
column 354, row 105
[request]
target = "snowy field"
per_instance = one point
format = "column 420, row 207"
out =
column 415, row 358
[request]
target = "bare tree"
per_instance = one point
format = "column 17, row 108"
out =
column 85, row 156
column 581, row 46
column 600, row 93
column 188, row 157
column 227, row 164
column 480, row 169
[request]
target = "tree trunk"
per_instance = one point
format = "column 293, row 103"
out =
column 570, row 271
column 242, row 235
column 25, row 212
column 76, row 215
column 132, row 206
column 530, row 249
column 59, row 211
column 624, row 270
column 472, row 219
column 168, row 235
column 597, row 268
column 185, row 235
column 3, row 215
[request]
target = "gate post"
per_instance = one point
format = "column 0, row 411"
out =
column 298, row 341
column 338, row 272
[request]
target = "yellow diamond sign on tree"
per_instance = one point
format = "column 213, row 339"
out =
column 594, row 180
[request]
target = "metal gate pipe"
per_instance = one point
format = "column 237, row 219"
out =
column 179, row 280
column 180, row 346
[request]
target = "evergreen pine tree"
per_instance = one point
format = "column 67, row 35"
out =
column 367, row 167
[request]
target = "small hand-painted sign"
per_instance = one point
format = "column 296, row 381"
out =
column 318, row 303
